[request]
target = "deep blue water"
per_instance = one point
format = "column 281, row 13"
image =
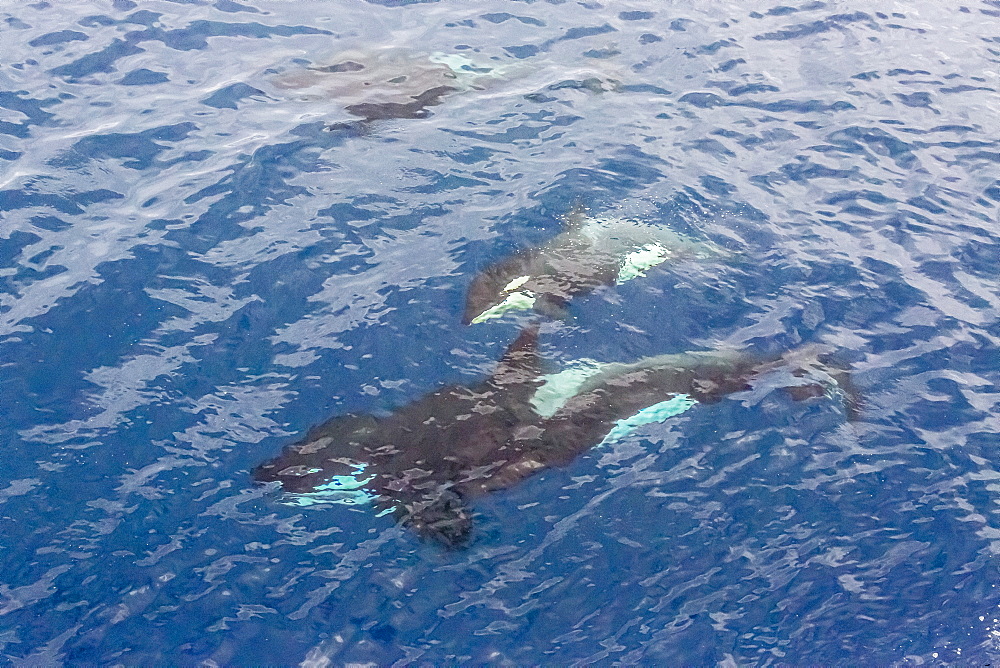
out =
column 195, row 269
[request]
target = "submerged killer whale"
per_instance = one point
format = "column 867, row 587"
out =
column 425, row 461
column 591, row 251
column 389, row 82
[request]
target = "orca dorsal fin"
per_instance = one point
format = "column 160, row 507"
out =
column 521, row 364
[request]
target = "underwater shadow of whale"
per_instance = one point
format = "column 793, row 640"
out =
column 427, row 460
column 380, row 83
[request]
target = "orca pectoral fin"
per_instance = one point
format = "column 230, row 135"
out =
column 441, row 516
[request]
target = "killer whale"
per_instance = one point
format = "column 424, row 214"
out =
column 427, row 460
column 589, row 252
column 390, row 82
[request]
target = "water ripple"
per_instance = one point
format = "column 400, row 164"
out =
column 199, row 262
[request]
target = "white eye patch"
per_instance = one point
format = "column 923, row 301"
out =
column 517, row 301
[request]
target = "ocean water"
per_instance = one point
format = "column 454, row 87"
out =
column 201, row 258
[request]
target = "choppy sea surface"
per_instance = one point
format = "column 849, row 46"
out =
column 200, row 260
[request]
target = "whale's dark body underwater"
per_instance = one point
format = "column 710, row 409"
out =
column 386, row 82
column 591, row 251
column 427, row 460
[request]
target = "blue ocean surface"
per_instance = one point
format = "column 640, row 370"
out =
column 207, row 248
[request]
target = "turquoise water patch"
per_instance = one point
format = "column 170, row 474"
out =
column 469, row 71
column 655, row 413
column 341, row 489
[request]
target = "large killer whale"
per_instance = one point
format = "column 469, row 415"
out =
column 589, row 252
column 426, row 461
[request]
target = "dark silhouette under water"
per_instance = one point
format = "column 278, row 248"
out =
column 590, row 251
column 428, row 459
column 385, row 83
